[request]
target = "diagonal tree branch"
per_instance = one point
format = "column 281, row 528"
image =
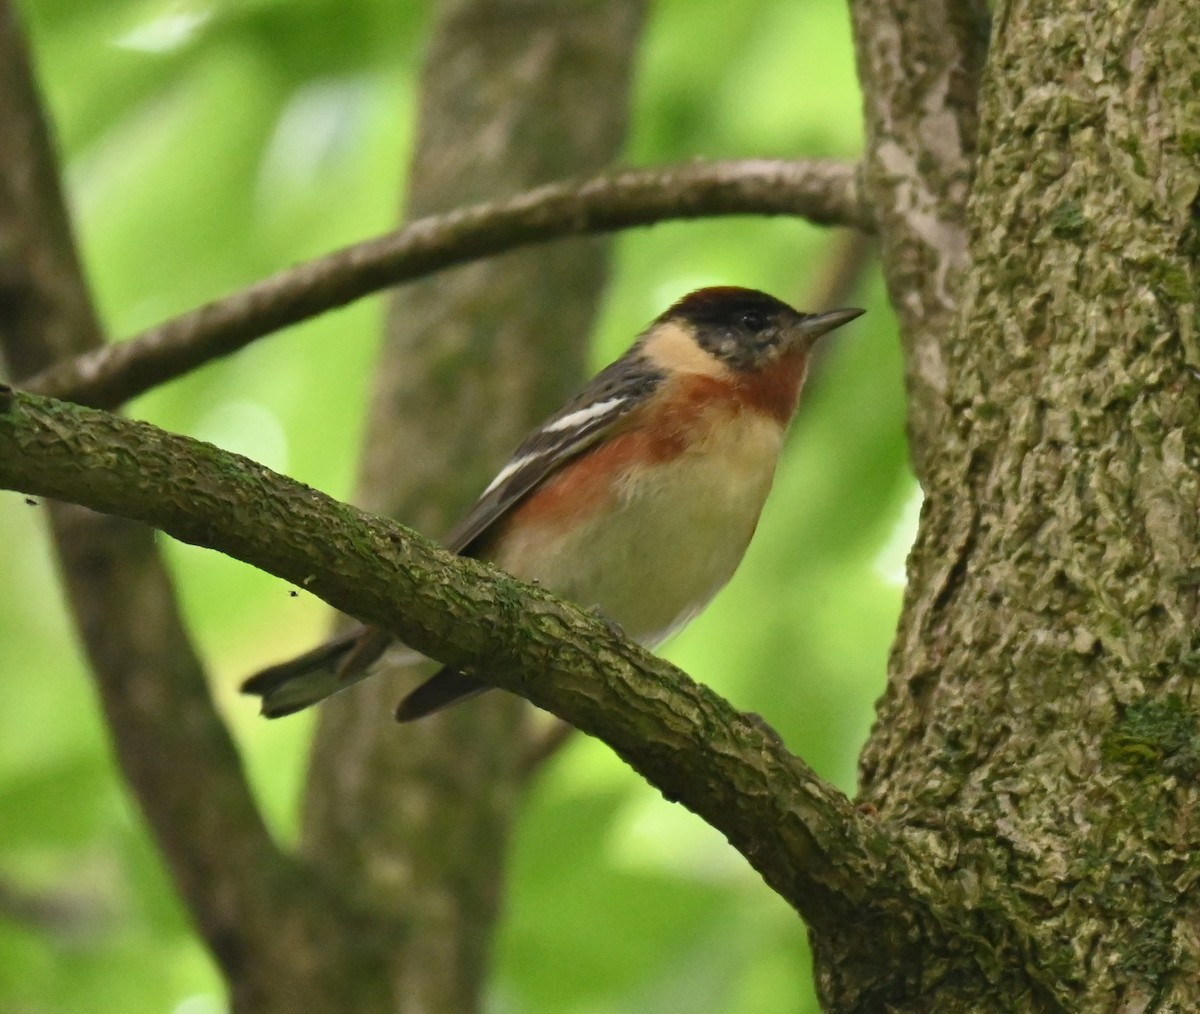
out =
column 826, row 192
column 805, row 838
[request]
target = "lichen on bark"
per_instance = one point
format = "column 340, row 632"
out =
column 1038, row 730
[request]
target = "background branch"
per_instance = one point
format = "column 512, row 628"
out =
column 471, row 361
column 69, row 914
column 172, row 746
column 823, row 191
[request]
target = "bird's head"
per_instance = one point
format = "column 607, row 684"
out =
column 745, row 330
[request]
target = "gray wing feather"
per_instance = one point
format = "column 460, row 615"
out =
column 581, row 423
column 578, row 425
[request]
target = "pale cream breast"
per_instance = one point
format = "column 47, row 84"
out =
column 674, row 532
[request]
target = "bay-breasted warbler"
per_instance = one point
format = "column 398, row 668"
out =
column 637, row 498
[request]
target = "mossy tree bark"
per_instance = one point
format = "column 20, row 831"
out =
column 1039, row 739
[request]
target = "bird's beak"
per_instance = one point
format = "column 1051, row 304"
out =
column 812, row 326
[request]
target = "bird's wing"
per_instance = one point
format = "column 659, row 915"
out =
column 581, row 423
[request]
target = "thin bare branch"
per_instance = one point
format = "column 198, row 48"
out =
column 825, row 191
column 68, row 914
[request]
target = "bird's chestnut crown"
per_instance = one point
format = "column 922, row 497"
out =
column 747, row 329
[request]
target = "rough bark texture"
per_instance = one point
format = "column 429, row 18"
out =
column 417, row 819
column 919, row 62
column 1040, row 735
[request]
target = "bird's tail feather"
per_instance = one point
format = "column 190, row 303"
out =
column 444, row 688
column 303, row 681
column 342, row 662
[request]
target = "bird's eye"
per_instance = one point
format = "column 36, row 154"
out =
column 752, row 320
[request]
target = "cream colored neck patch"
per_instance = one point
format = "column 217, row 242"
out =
column 671, row 347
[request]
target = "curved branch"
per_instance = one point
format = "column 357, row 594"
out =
column 826, row 192
column 805, row 838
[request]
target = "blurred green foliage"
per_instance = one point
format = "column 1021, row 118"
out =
column 209, row 142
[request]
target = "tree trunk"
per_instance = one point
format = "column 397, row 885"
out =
column 1039, row 737
column 417, row 819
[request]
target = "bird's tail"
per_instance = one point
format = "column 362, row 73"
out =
column 446, row 687
column 342, row 662
column 309, row 678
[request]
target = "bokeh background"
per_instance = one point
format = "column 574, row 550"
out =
column 208, row 143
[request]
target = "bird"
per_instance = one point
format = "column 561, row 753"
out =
column 637, row 499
